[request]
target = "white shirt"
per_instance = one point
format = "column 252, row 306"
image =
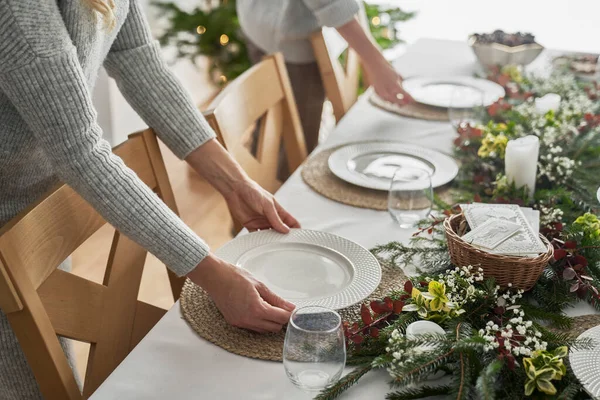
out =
column 286, row 25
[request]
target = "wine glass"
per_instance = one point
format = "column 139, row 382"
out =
column 314, row 351
column 466, row 106
column 411, row 196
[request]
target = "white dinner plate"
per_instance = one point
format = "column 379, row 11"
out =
column 307, row 267
column 586, row 363
column 438, row 92
column 372, row 164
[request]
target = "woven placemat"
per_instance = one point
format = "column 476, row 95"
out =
column 413, row 110
column 583, row 323
column 317, row 175
column 204, row 318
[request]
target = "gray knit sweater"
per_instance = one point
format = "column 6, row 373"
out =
column 50, row 54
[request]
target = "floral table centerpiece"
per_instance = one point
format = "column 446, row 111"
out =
column 498, row 344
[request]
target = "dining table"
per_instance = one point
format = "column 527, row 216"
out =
column 173, row 362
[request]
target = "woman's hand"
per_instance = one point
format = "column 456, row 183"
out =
column 255, row 208
column 385, row 80
column 387, row 83
column 250, row 204
column 243, row 301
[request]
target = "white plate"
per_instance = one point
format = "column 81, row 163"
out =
column 307, row 267
column 437, row 92
column 372, row 164
column 586, row 363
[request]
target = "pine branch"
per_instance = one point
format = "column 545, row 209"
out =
column 486, row 383
column 418, row 393
column 344, row 384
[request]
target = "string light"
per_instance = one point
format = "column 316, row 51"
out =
column 224, row 39
column 376, row 20
column 200, row 29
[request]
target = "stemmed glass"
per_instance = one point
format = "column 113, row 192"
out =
column 466, row 106
column 314, row 351
column 411, row 196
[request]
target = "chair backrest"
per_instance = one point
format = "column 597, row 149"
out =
column 41, row 301
column 262, row 94
column 340, row 81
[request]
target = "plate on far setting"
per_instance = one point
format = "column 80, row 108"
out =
column 307, row 267
column 586, row 363
column 437, row 92
column 372, row 164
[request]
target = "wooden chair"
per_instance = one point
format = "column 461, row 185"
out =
column 340, row 81
column 42, row 301
column 263, row 94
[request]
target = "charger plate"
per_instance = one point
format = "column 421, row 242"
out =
column 372, row 164
column 438, row 92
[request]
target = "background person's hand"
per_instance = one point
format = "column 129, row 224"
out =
column 388, row 84
column 255, row 208
column 244, row 301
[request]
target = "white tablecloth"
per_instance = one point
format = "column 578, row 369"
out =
column 172, row 362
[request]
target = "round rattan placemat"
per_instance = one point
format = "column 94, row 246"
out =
column 204, row 318
column 583, row 323
column 317, row 175
column 413, row 110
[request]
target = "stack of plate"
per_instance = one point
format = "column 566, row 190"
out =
column 372, row 164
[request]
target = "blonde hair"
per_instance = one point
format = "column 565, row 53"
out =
column 105, row 9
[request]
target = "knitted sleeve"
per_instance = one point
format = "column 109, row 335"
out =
column 151, row 88
column 41, row 75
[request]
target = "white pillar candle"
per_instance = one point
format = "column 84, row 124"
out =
column 520, row 162
column 551, row 101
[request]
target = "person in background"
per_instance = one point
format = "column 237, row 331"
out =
column 286, row 25
column 50, row 54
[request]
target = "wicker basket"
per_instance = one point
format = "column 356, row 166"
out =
column 521, row 272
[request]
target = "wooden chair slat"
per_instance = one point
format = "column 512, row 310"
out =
column 46, row 235
column 340, row 83
column 74, row 305
column 122, row 279
column 9, row 299
column 39, row 342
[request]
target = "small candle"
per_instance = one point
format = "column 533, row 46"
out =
column 425, row 328
column 520, row 162
column 551, row 101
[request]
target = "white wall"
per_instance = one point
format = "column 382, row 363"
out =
column 558, row 24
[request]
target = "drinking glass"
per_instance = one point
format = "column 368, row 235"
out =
column 466, row 106
column 314, row 352
column 411, row 196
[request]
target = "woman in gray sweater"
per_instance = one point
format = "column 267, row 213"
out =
column 50, row 53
